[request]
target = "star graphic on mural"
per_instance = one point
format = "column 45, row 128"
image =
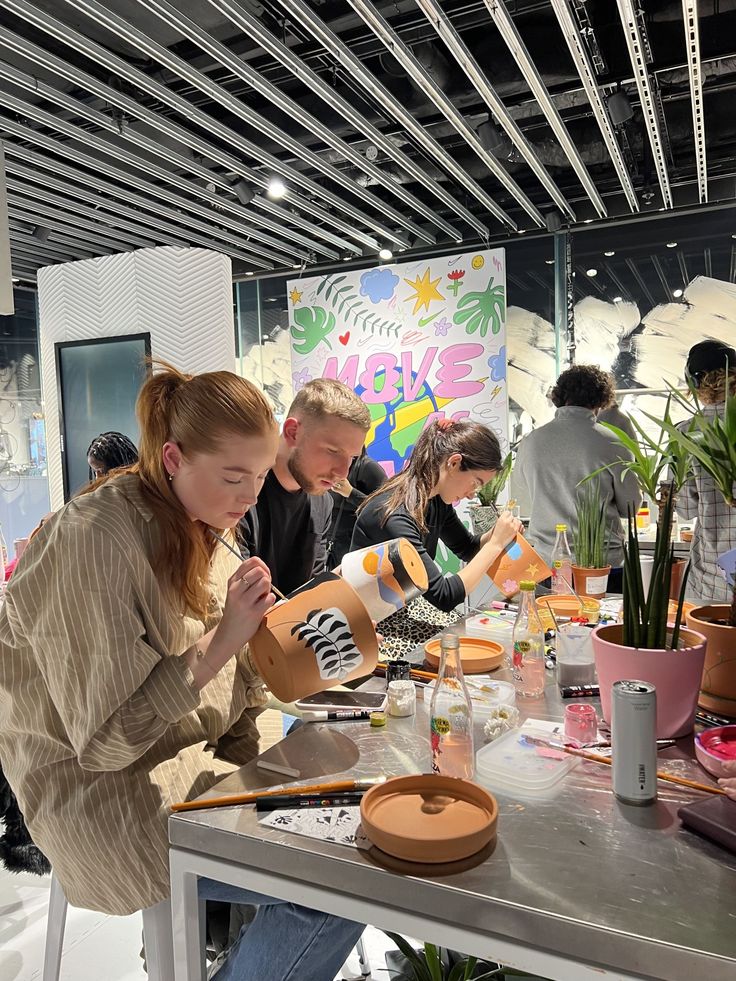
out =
column 295, row 296
column 425, row 290
column 532, row 569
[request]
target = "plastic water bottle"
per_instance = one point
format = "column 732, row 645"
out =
column 528, row 646
column 561, row 562
column 451, row 715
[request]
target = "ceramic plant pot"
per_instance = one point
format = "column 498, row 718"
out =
column 590, row 581
column 321, row 636
column 482, row 518
column 718, row 686
column 675, row 674
column 386, row 576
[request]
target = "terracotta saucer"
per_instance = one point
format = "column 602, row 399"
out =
column 429, row 818
column 476, row 655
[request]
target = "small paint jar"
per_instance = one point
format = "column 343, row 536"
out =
column 581, row 723
column 402, row 698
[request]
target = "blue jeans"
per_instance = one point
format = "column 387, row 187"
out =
column 285, row 942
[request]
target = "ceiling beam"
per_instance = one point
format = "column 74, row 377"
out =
column 72, row 226
column 252, row 27
column 695, row 72
column 199, row 146
column 109, row 149
column 640, row 280
column 306, row 18
column 478, row 78
column 579, row 53
column 209, row 239
column 659, row 269
column 209, row 124
column 421, row 78
column 275, row 96
column 103, row 16
column 507, row 29
column 635, row 42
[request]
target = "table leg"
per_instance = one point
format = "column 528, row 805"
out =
column 187, row 920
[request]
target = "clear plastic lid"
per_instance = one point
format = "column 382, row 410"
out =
column 486, row 694
column 515, row 763
column 497, row 626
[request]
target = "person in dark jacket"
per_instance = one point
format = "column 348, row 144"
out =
column 364, row 478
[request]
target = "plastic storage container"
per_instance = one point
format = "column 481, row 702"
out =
column 492, row 625
column 515, row 765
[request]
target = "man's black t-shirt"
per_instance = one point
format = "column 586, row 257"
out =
column 287, row 529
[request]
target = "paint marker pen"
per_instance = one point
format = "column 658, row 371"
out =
column 579, row 691
column 500, row 605
column 278, row 802
column 338, row 716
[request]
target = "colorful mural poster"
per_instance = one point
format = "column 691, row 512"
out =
column 417, row 341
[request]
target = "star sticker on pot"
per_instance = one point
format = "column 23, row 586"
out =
column 425, row 291
column 532, row 569
column 295, row 296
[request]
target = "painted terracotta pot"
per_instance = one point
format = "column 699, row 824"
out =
column 718, row 687
column 321, row 636
column 386, row 576
column 590, row 581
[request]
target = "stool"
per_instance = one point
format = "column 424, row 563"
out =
column 157, row 937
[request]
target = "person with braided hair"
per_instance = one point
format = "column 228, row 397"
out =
column 109, row 451
column 451, row 460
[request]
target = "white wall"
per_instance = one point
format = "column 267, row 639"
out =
column 181, row 296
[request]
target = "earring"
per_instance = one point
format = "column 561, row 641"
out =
column 170, row 476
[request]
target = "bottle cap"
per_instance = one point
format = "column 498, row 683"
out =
column 527, row 585
column 450, row 642
column 560, row 527
column 378, row 719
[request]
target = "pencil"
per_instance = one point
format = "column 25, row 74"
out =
column 668, row 777
column 237, row 553
column 312, row 788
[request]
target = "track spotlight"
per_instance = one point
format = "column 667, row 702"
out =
column 244, row 192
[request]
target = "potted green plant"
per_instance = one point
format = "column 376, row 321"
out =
column 590, row 543
column 661, row 465
column 434, row 963
column 711, row 440
column 483, row 515
column 645, row 646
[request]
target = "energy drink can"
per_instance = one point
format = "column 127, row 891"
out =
column 634, row 741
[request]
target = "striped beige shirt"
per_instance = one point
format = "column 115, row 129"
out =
column 100, row 727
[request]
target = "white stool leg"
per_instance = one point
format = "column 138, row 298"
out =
column 158, row 942
column 365, row 964
column 55, row 924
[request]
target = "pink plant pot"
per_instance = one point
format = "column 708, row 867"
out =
column 675, row 674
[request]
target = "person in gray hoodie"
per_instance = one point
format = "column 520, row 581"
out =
column 552, row 461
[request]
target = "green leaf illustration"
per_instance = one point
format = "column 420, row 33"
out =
column 479, row 311
column 313, row 324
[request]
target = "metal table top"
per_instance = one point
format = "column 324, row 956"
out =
column 579, row 874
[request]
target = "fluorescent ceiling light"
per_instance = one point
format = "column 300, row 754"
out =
column 591, row 272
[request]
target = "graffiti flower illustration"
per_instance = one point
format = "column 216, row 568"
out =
column 441, row 327
column 300, row 378
column 378, row 284
column 455, row 277
column 497, row 364
column 509, row 587
column 478, row 311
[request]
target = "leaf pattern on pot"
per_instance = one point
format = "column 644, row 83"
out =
column 328, row 634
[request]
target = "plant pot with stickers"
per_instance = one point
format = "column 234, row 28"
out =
column 320, row 636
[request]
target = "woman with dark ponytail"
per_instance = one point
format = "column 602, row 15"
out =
column 126, row 682
column 450, row 461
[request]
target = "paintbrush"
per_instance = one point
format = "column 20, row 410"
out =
column 236, row 553
column 415, row 674
column 608, row 761
column 293, row 789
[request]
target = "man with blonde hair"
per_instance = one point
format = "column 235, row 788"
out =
column 324, row 431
